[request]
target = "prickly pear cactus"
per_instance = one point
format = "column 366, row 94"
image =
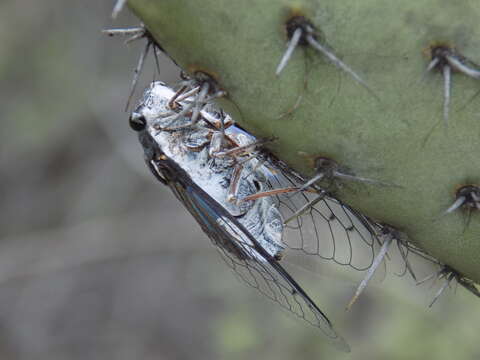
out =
column 392, row 98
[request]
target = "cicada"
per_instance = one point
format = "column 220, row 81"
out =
column 211, row 170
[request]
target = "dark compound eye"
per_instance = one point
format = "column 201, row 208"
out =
column 137, row 122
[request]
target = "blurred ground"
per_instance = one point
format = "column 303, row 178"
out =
column 98, row 261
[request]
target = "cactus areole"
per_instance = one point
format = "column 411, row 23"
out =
column 389, row 93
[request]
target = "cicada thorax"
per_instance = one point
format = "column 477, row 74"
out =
column 203, row 154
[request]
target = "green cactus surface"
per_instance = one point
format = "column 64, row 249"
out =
column 396, row 133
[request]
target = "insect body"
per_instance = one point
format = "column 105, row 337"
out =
column 248, row 234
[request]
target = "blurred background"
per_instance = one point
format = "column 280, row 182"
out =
column 99, row 261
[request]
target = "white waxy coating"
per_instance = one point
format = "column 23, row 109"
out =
column 260, row 217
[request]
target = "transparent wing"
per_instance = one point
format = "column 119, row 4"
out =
column 265, row 278
column 253, row 265
column 320, row 225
